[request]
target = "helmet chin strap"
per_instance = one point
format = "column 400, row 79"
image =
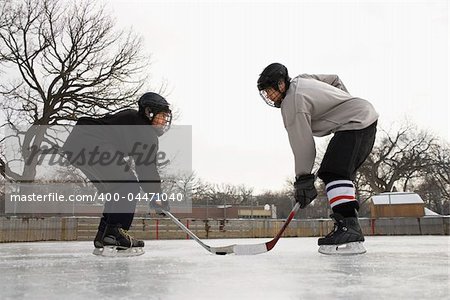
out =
column 277, row 104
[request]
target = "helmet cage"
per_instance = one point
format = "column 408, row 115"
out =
column 268, row 101
column 156, row 112
column 151, row 105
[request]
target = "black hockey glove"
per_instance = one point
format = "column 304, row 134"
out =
column 159, row 206
column 305, row 191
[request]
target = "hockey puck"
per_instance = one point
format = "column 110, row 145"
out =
column 221, row 253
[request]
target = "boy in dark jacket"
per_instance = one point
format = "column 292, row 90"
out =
column 99, row 148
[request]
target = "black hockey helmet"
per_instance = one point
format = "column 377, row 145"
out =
column 270, row 78
column 151, row 104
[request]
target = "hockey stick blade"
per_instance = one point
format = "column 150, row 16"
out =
column 245, row 249
column 253, row 249
column 215, row 250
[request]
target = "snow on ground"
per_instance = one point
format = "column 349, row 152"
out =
column 400, row 267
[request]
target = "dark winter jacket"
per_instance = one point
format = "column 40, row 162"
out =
column 101, row 148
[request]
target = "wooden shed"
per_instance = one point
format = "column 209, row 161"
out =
column 398, row 204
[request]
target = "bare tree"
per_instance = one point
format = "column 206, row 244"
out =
column 4, row 8
column 223, row 194
column 204, row 193
column 245, row 194
column 185, row 184
column 435, row 185
column 70, row 62
column 408, row 160
column 201, row 192
column 398, row 159
column 280, row 199
column 441, row 168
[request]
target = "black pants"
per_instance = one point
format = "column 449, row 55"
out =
column 115, row 212
column 122, row 211
column 345, row 153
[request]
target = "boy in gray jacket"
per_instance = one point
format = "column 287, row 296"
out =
column 319, row 105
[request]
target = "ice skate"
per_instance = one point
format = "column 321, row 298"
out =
column 98, row 240
column 345, row 239
column 116, row 241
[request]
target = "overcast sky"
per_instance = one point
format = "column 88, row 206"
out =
column 392, row 53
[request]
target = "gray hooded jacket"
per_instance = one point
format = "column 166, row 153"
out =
column 318, row 105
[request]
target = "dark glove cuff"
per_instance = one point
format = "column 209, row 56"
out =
column 306, row 177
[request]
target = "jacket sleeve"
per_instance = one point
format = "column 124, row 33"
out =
column 149, row 178
column 146, row 164
column 302, row 143
column 333, row 80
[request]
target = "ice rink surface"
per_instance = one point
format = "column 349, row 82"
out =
column 400, row 267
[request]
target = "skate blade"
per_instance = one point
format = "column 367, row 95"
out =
column 113, row 251
column 344, row 249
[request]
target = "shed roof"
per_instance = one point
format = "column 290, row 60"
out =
column 397, row 198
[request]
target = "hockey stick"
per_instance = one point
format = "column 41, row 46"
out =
column 185, row 229
column 246, row 249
